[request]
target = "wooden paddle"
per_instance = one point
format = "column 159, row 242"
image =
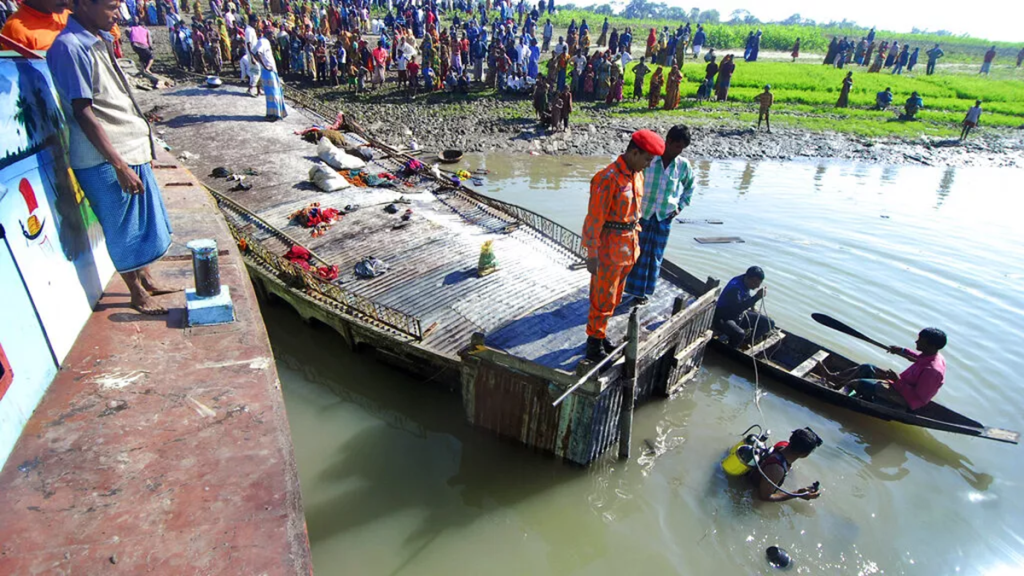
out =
column 837, row 325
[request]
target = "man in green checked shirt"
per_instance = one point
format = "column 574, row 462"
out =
column 668, row 185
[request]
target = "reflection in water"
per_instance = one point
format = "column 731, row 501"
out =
column 703, row 172
column 887, row 450
column 747, row 177
column 394, row 481
column 946, row 184
column 819, row 175
column 889, row 173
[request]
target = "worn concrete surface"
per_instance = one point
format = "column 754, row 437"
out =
column 160, row 449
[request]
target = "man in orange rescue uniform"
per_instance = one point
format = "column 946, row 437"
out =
column 37, row 23
column 610, row 233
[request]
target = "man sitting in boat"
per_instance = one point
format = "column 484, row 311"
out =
column 776, row 466
column 916, row 386
column 733, row 314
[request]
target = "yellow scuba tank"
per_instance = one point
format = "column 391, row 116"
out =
column 743, row 456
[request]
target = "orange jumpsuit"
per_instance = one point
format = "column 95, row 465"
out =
column 615, row 196
column 33, row 29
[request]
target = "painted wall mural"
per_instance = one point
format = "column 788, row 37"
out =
column 53, row 258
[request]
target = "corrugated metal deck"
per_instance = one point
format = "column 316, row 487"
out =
column 534, row 306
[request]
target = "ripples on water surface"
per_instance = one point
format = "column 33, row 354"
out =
column 395, row 482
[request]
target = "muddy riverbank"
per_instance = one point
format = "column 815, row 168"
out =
column 495, row 124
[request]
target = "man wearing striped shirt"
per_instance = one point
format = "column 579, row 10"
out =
column 669, row 186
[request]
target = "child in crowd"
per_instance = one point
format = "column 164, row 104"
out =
column 428, row 78
column 413, row 71
column 361, row 79
column 402, row 63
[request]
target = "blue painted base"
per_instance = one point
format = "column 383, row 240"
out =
column 213, row 310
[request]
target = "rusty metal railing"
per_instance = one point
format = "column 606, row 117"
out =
column 543, row 228
column 296, row 276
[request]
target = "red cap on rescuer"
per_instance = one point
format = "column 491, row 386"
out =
column 649, row 141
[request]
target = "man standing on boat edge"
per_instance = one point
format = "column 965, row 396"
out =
column 610, row 233
column 669, row 186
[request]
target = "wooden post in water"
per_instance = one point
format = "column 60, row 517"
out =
column 629, row 385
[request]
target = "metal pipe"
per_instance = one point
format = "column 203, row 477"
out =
column 205, row 267
column 613, row 356
column 629, row 385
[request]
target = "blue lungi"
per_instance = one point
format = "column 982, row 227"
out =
column 135, row 226
column 275, row 96
column 643, row 277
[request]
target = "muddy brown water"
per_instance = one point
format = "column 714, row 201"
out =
column 394, row 481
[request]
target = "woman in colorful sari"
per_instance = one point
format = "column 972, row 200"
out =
column 654, row 92
column 297, row 61
column 562, row 66
column 893, row 54
column 533, row 65
column 198, row 49
column 604, row 33
column 652, row 39
column 844, row 94
column 284, row 48
column 724, row 78
column 588, row 83
column 613, row 41
column 427, row 48
column 584, row 43
column 672, row 89
column 445, row 61
column 615, row 93
column 876, row 66
column 212, row 49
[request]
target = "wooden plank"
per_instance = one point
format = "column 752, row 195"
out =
column 720, row 240
column 1001, row 435
column 766, row 343
column 809, row 364
column 696, row 345
column 675, row 323
column 682, row 278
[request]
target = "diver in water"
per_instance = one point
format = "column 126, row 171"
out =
column 775, row 467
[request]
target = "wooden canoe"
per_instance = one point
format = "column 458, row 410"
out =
column 797, row 362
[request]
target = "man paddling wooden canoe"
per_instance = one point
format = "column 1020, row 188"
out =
column 916, row 386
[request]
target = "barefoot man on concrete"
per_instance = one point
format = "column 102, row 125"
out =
column 111, row 148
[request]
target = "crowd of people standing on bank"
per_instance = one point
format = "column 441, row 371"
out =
column 891, row 56
column 498, row 44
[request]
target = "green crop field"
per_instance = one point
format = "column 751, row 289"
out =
column 806, row 94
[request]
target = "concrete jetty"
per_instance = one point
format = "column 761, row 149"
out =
column 160, row 449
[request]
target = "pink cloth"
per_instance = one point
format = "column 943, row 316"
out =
column 139, row 34
column 921, row 382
